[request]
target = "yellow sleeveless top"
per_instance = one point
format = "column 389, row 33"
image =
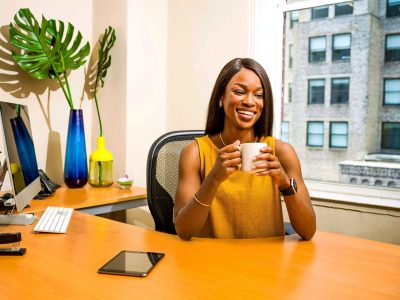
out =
column 245, row 205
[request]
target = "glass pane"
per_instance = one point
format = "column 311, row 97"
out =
column 391, row 136
column 341, row 41
column 343, row 9
column 318, row 43
column 320, row 12
column 339, row 128
column 315, row 127
column 393, row 42
column 339, row 141
column 392, row 91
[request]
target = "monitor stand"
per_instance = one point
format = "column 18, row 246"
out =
column 20, row 219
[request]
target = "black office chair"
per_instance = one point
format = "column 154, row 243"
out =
column 162, row 177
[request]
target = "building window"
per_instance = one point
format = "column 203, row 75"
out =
column 343, row 9
column 392, row 8
column 338, row 133
column 294, row 17
column 290, row 92
column 315, row 134
column 290, row 55
column 391, row 135
column 340, row 90
column 285, row 131
column 320, row 12
column 316, row 91
column 392, row 47
column 317, row 46
column 341, row 46
column 391, row 91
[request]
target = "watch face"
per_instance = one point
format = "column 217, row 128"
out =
column 294, row 185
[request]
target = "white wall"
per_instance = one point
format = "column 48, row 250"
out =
column 202, row 37
column 47, row 105
column 146, row 69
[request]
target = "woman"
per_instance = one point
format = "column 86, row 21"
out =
column 214, row 198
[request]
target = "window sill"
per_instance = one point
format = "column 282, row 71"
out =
column 354, row 194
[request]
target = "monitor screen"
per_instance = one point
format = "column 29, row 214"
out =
column 19, row 153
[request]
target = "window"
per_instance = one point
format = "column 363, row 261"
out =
column 294, row 17
column 285, row 131
column 338, row 132
column 290, row 55
column 315, row 134
column 392, row 47
column 340, row 90
column 317, row 46
column 328, row 76
column 319, row 12
column 392, row 8
column 343, row 9
column 391, row 91
column 341, row 45
column 316, row 91
column 391, row 135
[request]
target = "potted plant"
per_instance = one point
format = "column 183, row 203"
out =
column 101, row 160
column 50, row 50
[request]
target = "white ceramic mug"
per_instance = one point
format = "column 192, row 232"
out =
column 248, row 152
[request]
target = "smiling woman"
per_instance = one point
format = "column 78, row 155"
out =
column 214, row 198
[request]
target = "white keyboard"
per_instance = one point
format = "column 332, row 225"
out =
column 54, row 220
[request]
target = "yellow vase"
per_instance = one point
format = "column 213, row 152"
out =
column 100, row 165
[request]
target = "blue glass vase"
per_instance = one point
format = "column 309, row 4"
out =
column 75, row 167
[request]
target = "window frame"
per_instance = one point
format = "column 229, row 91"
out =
column 395, row 53
column 286, row 133
column 334, row 50
column 391, row 13
column 308, row 134
column 311, row 52
column 384, row 92
column 343, row 14
column 382, row 137
column 315, row 10
column 309, row 102
column 331, row 134
column 348, row 90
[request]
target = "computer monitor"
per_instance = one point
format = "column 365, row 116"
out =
column 20, row 157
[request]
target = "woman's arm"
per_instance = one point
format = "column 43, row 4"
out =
column 190, row 215
column 281, row 167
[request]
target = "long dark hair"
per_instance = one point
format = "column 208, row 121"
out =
column 215, row 115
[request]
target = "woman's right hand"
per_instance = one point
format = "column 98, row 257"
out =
column 227, row 162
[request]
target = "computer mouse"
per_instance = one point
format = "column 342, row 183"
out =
column 7, row 196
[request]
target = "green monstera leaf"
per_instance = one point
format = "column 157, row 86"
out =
column 104, row 62
column 47, row 50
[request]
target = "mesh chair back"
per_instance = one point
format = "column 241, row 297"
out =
column 162, row 175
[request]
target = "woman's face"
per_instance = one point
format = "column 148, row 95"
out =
column 243, row 100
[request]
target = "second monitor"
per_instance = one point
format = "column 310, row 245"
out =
column 19, row 152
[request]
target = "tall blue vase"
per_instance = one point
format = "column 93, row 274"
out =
column 75, row 167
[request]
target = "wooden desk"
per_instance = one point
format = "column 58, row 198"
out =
column 64, row 266
column 92, row 200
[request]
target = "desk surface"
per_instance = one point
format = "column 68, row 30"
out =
column 60, row 266
column 87, row 197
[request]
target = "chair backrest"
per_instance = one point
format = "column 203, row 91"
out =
column 162, row 175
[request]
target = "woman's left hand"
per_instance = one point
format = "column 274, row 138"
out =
column 268, row 164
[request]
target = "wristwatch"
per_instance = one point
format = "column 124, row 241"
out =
column 291, row 190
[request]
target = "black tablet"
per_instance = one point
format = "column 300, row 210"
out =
column 132, row 263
